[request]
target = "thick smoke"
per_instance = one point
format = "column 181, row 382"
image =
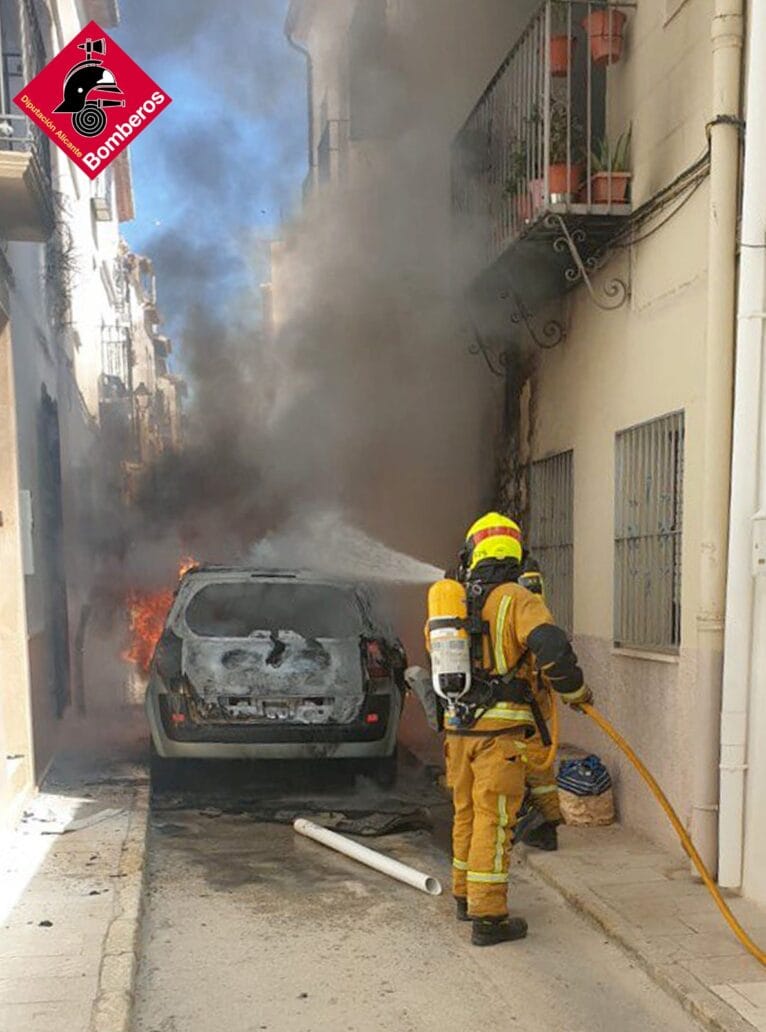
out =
column 365, row 401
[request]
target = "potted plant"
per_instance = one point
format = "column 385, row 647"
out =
column 516, row 184
column 524, row 183
column 611, row 178
column 562, row 42
column 605, row 27
column 565, row 170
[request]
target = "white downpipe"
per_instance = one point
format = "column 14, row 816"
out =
column 727, row 32
column 377, row 861
column 748, row 416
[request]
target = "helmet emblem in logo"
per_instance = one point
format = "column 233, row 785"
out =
column 83, row 80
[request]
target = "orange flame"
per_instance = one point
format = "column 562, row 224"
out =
column 147, row 612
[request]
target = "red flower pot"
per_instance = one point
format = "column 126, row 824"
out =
column 605, row 28
column 609, row 187
column 562, row 54
column 564, row 180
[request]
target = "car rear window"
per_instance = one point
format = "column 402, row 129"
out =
column 236, row 610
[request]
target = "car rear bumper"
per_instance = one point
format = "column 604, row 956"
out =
column 272, row 741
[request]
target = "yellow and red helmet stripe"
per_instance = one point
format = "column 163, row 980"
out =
column 493, row 536
column 488, row 532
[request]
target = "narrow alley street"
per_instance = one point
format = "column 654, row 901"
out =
column 383, row 460
column 251, row 928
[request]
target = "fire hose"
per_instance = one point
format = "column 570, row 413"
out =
column 598, row 718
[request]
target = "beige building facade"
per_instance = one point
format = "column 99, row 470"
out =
column 607, row 315
column 65, row 353
column 641, row 365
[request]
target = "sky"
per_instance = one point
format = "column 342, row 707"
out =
column 218, row 171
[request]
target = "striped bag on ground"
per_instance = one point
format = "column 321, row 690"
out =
column 585, row 792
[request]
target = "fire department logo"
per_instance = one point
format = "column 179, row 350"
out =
column 92, row 100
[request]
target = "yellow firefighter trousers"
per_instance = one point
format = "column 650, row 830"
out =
column 544, row 793
column 488, row 777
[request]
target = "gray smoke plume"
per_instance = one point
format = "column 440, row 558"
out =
column 366, row 402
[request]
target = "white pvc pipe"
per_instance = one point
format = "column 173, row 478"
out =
column 379, row 862
column 738, row 668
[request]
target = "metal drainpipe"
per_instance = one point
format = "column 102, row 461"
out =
column 289, row 29
column 727, row 34
column 739, row 669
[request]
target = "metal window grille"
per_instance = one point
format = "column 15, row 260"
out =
column 649, row 475
column 115, row 353
column 551, row 531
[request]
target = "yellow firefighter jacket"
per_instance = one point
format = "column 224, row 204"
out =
column 512, row 613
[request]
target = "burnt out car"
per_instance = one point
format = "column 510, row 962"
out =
column 261, row 665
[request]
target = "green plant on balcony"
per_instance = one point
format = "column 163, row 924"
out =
column 62, row 265
column 611, row 170
column 524, row 180
column 518, row 166
column 566, row 140
column 608, row 158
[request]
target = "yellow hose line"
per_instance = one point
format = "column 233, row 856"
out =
column 686, row 842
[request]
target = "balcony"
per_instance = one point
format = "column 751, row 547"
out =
column 26, row 195
column 116, row 355
column 540, row 180
column 26, row 200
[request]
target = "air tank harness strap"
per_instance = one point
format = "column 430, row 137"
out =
column 517, row 689
column 519, row 732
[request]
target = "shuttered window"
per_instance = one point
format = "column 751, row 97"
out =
column 551, row 531
column 648, row 518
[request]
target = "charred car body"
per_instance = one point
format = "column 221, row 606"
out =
column 275, row 665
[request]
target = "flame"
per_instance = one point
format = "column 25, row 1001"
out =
column 147, row 612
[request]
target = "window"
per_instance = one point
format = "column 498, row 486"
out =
column 648, row 515
column 239, row 609
column 551, row 531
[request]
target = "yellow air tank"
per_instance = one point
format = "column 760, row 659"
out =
column 449, row 639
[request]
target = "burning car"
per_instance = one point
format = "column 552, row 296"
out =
column 256, row 664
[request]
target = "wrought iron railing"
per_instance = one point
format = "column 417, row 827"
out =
column 115, row 353
column 23, row 57
column 537, row 139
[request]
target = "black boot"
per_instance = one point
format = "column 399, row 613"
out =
column 489, row 931
column 462, row 908
column 544, row 836
column 461, row 912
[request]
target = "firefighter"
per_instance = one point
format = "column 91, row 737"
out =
column 540, row 815
column 496, row 702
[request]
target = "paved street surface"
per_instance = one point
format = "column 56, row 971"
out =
column 251, row 928
column 61, row 895
column 647, row 899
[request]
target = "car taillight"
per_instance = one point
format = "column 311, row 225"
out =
column 375, row 660
column 372, row 718
column 167, row 656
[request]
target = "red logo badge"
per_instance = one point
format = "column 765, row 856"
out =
column 92, row 100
